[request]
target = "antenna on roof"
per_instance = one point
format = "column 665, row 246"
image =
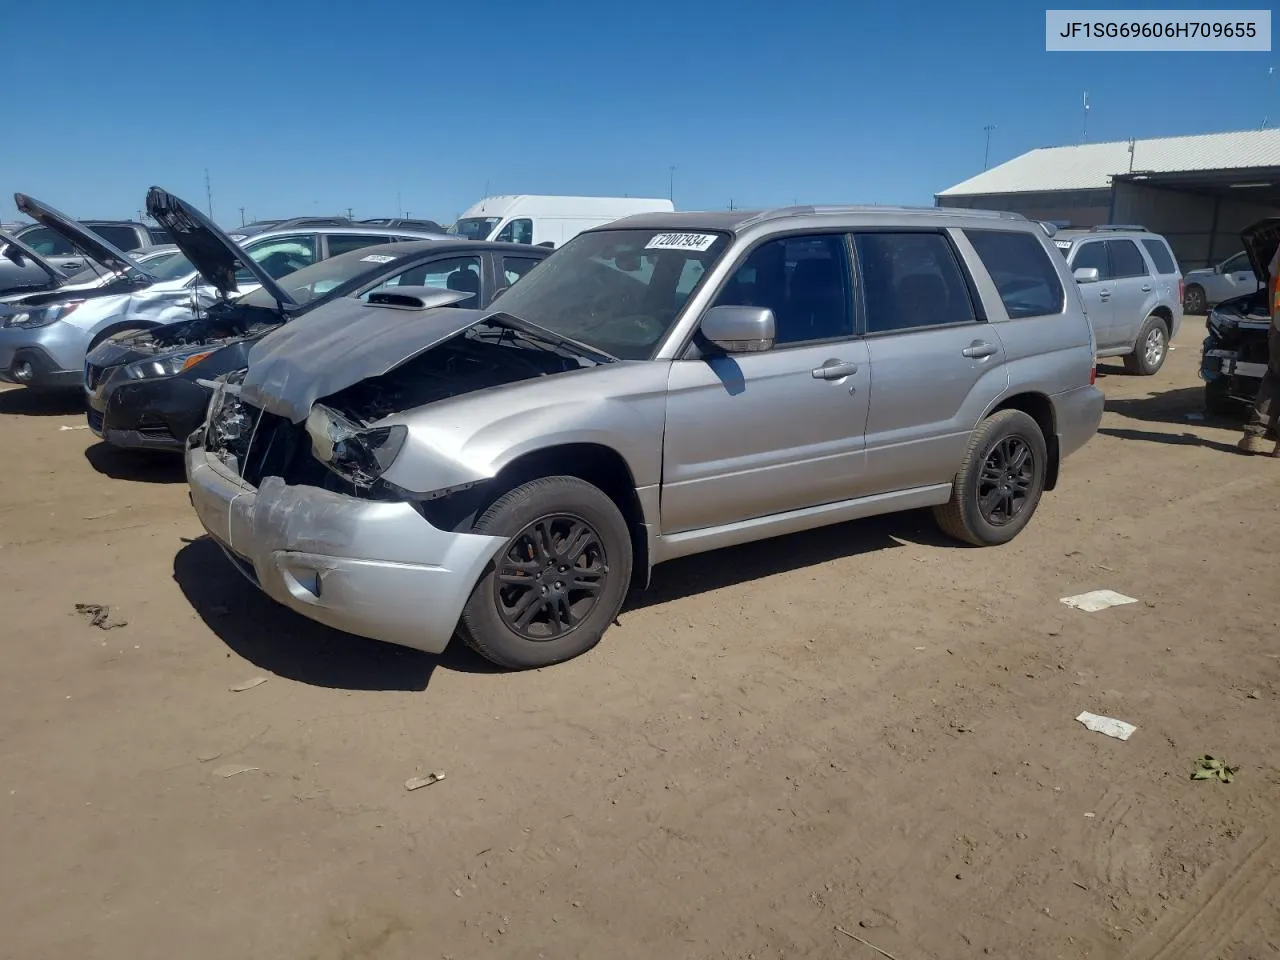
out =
column 1084, row 126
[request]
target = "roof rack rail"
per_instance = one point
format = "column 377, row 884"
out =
column 1119, row 226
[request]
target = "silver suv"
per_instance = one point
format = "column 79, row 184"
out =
column 661, row 386
column 1132, row 291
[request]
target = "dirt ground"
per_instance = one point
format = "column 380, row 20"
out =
column 866, row 727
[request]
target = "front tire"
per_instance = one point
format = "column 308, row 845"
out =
column 559, row 580
column 999, row 483
column 1194, row 301
column 1151, row 349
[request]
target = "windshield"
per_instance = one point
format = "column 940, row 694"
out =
column 475, row 228
column 616, row 290
column 326, row 276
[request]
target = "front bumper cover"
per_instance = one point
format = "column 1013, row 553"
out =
column 377, row 569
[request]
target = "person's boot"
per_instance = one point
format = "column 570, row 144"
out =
column 1251, row 444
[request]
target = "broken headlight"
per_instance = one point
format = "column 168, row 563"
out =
column 357, row 454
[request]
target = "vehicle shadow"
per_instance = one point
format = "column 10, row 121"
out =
column 1176, row 439
column 26, row 402
column 140, row 465
column 289, row 645
column 1184, row 405
column 704, row 572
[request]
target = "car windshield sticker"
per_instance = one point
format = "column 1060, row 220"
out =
column 681, row 241
column 376, row 258
column 1063, row 244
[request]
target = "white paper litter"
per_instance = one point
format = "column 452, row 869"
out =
column 248, row 684
column 417, row 783
column 1096, row 600
column 83, row 426
column 1108, row 725
column 232, row 770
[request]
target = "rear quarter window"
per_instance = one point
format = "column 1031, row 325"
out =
column 1021, row 269
column 1160, row 256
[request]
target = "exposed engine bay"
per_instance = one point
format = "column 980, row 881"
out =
column 1236, row 351
column 487, row 355
column 221, row 325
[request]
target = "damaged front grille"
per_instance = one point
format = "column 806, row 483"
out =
column 92, row 376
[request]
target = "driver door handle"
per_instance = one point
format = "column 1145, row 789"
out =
column 834, row 370
column 979, row 350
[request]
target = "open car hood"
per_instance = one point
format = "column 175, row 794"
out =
column 19, row 253
column 1260, row 242
column 347, row 340
column 214, row 254
column 81, row 237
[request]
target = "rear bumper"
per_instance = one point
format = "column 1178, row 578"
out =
column 376, row 569
column 1077, row 413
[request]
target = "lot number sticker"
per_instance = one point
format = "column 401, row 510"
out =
column 376, row 258
column 681, row 241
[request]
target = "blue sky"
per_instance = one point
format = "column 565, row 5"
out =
column 305, row 108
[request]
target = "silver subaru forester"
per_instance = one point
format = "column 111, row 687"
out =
column 661, row 386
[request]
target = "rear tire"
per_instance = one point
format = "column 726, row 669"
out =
column 1151, row 348
column 1194, row 301
column 999, row 483
column 557, row 583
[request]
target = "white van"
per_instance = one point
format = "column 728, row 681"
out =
column 547, row 221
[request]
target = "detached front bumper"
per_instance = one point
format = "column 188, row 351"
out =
column 373, row 568
column 154, row 414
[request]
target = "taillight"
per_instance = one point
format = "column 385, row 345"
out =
column 1182, row 289
column 1093, row 374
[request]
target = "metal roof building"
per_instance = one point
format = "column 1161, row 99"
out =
column 1198, row 191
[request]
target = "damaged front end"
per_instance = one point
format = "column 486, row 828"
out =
column 1236, row 351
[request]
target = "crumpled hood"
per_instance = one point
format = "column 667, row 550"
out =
column 346, row 341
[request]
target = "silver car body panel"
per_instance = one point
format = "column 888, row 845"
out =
column 719, row 450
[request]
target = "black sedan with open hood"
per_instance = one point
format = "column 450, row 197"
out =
column 149, row 390
column 1235, row 353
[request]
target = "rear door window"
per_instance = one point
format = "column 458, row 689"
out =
column 1126, row 259
column 1093, row 255
column 1021, row 270
column 1160, row 256
column 911, row 280
column 513, row 268
column 346, row 242
column 123, row 238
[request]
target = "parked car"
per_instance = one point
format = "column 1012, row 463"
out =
column 45, row 343
column 1132, row 291
column 147, row 391
column 547, row 221
column 1235, row 354
column 665, row 385
column 413, row 224
column 1233, row 277
column 23, row 271
column 126, row 235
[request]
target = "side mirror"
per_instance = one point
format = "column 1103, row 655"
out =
column 1086, row 274
column 739, row 329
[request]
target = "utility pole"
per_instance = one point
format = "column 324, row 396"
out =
column 986, row 154
column 1271, row 92
column 731, row 203
column 671, row 183
column 242, row 216
column 1084, row 126
column 208, row 192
